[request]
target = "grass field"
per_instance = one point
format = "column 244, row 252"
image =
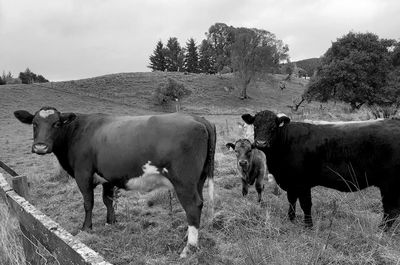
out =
column 148, row 232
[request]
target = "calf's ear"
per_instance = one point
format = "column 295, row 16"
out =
column 230, row 145
column 248, row 118
column 282, row 119
column 66, row 118
column 24, row 116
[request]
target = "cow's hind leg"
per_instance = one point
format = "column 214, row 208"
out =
column 391, row 207
column 192, row 204
column 108, row 198
column 306, row 204
column 292, row 198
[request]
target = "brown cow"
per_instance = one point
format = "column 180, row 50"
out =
column 130, row 152
column 252, row 167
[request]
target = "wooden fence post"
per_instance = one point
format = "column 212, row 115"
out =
column 29, row 243
column 20, row 185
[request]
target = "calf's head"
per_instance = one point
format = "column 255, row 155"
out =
column 242, row 148
column 47, row 125
column 265, row 124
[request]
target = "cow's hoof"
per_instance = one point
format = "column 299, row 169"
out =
column 188, row 250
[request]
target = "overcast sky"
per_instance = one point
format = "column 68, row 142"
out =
column 73, row 39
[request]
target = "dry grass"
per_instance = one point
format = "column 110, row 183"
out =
column 243, row 231
column 11, row 252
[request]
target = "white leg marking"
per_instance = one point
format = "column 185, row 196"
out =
column 46, row 113
column 193, row 237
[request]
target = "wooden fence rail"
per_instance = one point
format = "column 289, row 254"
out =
column 37, row 227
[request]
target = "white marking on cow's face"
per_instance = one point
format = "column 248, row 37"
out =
column 150, row 180
column 271, row 178
column 46, row 113
column 164, row 170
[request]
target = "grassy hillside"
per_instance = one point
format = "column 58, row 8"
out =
column 242, row 231
column 210, row 94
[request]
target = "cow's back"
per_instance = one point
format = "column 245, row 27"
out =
column 122, row 145
column 363, row 154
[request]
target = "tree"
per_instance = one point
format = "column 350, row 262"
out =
column 41, row 79
column 221, row 36
column 309, row 65
column 28, row 77
column 2, row 82
column 157, row 59
column 207, row 58
column 191, row 57
column 255, row 51
column 355, row 69
column 174, row 55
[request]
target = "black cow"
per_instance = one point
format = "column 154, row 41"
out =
column 130, row 152
column 252, row 166
column 343, row 156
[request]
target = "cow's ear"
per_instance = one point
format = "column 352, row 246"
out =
column 230, row 145
column 66, row 118
column 282, row 120
column 24, row 116
column 248, row 118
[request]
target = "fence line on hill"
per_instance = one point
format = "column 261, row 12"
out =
column 44, row 241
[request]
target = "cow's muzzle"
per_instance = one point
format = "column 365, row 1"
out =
column 40, row 149
column 261, row 144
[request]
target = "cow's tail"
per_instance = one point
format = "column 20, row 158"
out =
column 208, row 169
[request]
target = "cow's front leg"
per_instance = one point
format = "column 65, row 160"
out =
column 84, row 179
column 245, row 187
column 108, row 199
column 259, row 186
column 306, row 204
column 292, row 198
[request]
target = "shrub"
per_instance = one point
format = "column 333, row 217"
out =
column 170, row 91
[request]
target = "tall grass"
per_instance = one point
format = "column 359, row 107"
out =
column 11, row 252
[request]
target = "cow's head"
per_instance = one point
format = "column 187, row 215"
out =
column 242, row 148
column 47, row 125
column 266, row 124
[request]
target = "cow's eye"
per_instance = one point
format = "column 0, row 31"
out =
column 57, row 124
